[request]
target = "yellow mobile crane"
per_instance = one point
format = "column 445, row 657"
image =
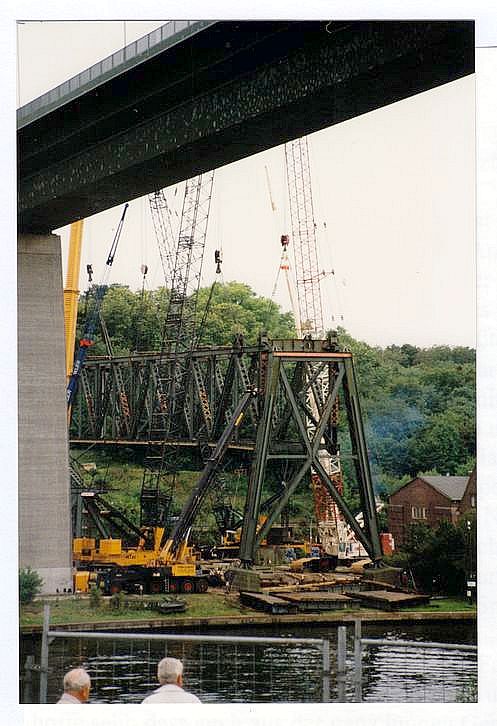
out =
column 155, row 565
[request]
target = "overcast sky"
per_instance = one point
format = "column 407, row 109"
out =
column 394, row 187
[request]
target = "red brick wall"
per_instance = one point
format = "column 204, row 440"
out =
column 469, row 494
column 417, row 494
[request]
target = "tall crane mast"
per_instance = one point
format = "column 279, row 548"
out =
column 331, row 527
column 303, row 225
column 180, row 325
column 179, row 335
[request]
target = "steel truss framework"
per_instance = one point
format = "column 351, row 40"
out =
column 286, row 428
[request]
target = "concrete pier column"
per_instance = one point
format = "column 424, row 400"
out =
column 44, row 497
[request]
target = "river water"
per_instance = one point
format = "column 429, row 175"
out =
column 125, row 672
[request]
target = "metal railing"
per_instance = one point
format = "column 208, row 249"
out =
column 421, row 668
column 112, row 65
column 48, row 636
column 249, row 669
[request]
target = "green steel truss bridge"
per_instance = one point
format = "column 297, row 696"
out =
column 288, row 425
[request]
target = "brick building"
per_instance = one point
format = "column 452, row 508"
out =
column 468, row 500
column 430, row 500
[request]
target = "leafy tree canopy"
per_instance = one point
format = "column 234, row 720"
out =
column 135, row 320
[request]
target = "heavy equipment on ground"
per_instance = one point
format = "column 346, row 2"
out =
column 158, row 562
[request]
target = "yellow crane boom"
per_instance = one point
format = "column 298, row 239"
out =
column 71, row 291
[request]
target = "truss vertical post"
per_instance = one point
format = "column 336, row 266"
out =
column 253, row 500
column 361, row 460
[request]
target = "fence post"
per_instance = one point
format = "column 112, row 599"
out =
column 27, row 694
column 326, row 671
column 357, row 661
column 44, row 654
column 341, row 662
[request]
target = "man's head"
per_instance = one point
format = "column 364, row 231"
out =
column 77, row 683
column 170, row 670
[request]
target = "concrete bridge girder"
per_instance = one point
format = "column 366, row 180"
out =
column 329, row 79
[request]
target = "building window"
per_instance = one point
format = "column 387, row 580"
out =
column 418, row 512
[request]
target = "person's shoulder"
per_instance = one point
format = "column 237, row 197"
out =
column 192, row 698
column 170, row 695
column 67, row 698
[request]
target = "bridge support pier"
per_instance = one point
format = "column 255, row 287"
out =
column 44, row 499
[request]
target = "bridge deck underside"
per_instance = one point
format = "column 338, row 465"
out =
column 228, row 91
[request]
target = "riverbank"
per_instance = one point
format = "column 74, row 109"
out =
column 258, row 619
column 216, row 610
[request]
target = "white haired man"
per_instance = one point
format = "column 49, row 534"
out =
column 170, row 676
column 76, row 687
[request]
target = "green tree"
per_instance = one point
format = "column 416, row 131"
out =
column 236, row 309
column 408, row 355
column 436, row 558
column 135, row 320
column 443, row 443
column 30, row 584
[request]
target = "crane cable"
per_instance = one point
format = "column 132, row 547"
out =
column 218, row 260
column 284, row 262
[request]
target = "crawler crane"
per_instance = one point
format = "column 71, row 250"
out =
column 162, row 561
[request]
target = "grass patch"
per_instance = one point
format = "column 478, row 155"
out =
column 444, row 605
column 65, row 610
column 211, row 604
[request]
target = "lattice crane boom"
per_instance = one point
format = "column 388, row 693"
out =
column 331, row 528
column 164, row 233
column 179, row 335
column 303, row 227
column 180, row 324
